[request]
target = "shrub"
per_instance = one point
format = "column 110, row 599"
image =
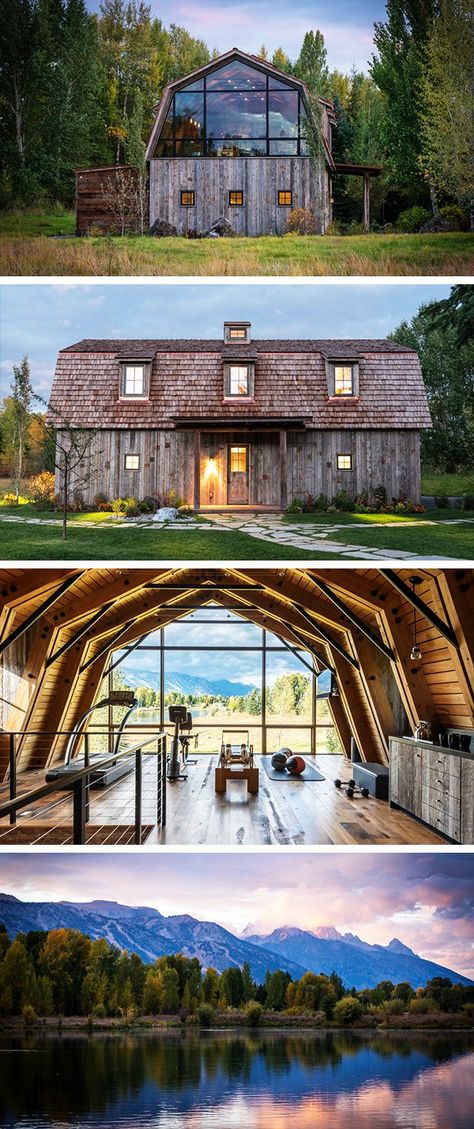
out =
column 131, row 507
column 421, row 1005
column 393, row 1007
column 172, row 499
column 99, row 499
column 295, row 507
column 119, row 504
column 467, row 502
column 206, row 1015
column 42, row 489
column 355, row 228
column 148, row 505
column 380, row 495
column 253, row 1013
column 300, row 221
column 343, row 502
column 333, row 228
column 442, row 501
column 29, row 1015
column 412, row 219
column 9, row 499
column 186, row 511
column 454, row 215
column 348, row 1010
column 77, row 505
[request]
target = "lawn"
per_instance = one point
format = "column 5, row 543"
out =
column 447, row 539
column 451, row 484
column 44, row 542
column 27, row 249
column 335, row 519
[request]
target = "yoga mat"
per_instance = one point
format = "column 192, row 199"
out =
column 310, row 773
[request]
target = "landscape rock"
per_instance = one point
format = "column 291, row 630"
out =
column 165, row 513
column 161, row 228
column 220, row 227
column 435, row 224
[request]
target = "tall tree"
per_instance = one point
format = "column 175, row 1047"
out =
column 447, row 114
column 311, row 64
column 397, row 70
column 22, row 395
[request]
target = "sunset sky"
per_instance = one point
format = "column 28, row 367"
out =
column 347, row 25
column 40, row 320
column 424, row 899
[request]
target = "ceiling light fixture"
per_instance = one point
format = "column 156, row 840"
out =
column 415, row 653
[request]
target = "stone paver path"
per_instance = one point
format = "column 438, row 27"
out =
column 314, row 538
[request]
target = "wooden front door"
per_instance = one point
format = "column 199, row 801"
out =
column 238, row 476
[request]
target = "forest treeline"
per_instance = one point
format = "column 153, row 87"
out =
column 63, row 972
column 79, row 88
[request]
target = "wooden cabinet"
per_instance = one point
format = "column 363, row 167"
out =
column 434, row 784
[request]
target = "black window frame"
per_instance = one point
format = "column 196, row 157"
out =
column 285, row 203
column 345, row 455
column 205, row 142
column 187, row 192
column 236, row 192
column 131, row 455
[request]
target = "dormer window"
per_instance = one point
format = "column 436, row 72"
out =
column 135, row 380
column 238, row 380
column 237, row 331
column 343, row 378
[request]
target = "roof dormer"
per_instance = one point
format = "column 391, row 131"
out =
column 237, row 332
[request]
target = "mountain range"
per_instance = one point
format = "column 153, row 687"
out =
column 186, row 683
column 150, row 934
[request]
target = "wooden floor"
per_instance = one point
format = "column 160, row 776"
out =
column 292, row 812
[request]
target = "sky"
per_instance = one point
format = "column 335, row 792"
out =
column 38, row 320
column 347, row 25
column 425, row 899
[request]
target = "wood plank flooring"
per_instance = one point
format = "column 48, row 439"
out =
column 296, row 812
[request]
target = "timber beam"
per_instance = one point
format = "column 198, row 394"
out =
column 424, row 609
column 39, row 611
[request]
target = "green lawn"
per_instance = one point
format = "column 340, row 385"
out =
column 451, row 484
column 448, row 539
column 44, row 542
column 375, row 519
column 25, row 249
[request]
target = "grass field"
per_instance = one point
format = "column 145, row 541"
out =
column 449, row 539
column 451, row 484
column 27, row 248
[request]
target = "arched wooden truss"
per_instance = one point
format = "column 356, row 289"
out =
column 58, row 629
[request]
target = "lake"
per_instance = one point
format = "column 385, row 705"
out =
column 332, row 1080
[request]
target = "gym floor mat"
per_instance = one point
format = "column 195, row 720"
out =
column 310, row 773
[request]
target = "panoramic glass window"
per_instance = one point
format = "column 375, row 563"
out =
column 234, row 111
column 231, row 674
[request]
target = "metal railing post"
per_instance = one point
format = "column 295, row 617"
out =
column 86, row 765
column 12, row 775
column 138, row 796
column 163, row 781
column 79, row 791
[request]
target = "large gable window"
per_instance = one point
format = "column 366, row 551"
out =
column 135, row 376
column 238, row 380
column 236, row 110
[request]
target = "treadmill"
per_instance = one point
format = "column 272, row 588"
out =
column 99, row 778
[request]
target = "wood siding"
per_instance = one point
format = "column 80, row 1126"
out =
column 93, row 196
column 212, row 178
column 388, row 458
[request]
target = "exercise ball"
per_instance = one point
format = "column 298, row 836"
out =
column 296, row 765
column 279, row 761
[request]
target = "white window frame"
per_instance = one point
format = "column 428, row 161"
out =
column 132, row 455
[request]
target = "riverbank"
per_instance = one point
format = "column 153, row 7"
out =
column 232, row 1020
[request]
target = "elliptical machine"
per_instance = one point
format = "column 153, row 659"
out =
column 183, row 722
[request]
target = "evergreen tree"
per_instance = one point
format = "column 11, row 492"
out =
column 22, row 394
column 447, row 113
column 311, row 64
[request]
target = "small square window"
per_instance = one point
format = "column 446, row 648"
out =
column 187, row 198
column 343, row 380
column 285, row 198
column 132, row 462
column 134, row 380
column 236, row 198
column 344, row 462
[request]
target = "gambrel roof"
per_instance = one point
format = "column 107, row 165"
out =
column 162, row 107
column 291, row 383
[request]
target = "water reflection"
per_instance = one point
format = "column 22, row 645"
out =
column 271, row 1081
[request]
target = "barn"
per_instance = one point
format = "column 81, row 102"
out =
column 239, row 422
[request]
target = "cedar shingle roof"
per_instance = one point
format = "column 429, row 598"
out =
column 290, row 383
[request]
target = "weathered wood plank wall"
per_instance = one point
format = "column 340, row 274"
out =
column 95, row 192
column 387, row 458
column 212, row 178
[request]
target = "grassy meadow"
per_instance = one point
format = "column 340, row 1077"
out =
column 41, row 243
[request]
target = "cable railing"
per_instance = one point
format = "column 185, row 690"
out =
column 93, row 803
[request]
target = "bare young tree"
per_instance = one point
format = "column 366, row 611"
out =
column 70, row 453
column 122, row 198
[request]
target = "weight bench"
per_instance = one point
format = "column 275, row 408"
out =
column 372, row 776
